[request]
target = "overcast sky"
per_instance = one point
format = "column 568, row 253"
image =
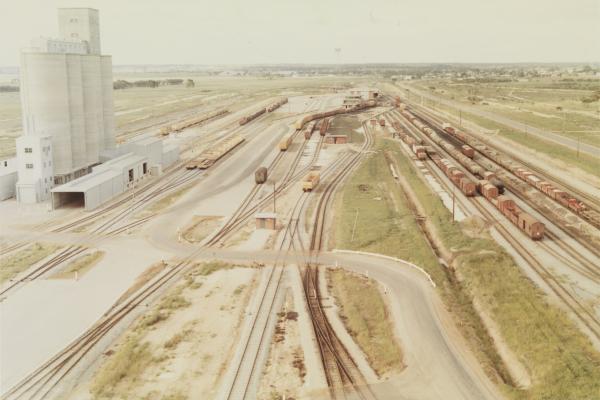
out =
column 309, row 31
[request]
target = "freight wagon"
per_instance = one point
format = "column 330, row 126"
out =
column 211, row 156
column 285, row 143
column 310, row 181
column 260, row 176
column 165, row 130
column 525, row 222
column 252, row 116
column 341, row 110
column 276, row 105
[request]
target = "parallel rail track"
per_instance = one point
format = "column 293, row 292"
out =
column 582, row 313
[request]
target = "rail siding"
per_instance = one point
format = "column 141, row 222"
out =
column 399, row 260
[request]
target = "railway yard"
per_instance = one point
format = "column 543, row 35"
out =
column 304, row 248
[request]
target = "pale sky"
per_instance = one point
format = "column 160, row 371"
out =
column 308, row 31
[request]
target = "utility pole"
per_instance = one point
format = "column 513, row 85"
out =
column 460, row 117
column 354, row 227
column 453, row 197
column 274, row 195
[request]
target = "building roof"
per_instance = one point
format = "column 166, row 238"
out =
column 266, row 215
column 88, row 181
column 120, row 162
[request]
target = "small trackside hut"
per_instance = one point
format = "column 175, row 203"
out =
column 266, row 220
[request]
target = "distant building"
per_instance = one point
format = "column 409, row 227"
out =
column 8, row 178
column 67, row 105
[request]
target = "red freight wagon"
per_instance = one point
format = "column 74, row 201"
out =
column 467, row 186
column 468, row 151
column 532, row 227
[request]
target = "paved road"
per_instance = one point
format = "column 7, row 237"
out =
column 541, row 133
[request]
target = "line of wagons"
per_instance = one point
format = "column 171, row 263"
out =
column 489, row 186
column 561, row 196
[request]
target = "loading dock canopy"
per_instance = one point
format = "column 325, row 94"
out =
column 89, row 191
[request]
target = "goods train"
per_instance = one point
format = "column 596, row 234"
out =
column 490, row 186
column 466, row 185
column 165, row 130
column 310, row 181
column 311, row 117
column 209, row 157
column 252, row 116
column 464, row 160
column 260, row 176
column 276, row 105
column 566, row 199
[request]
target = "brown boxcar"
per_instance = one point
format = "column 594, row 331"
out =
column 489, row 191
column 260, row 176
column 468, row 151
column 307, row 134
column 531, row 226
column 382, row 122
column 467, row 186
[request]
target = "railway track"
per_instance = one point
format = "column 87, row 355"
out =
column 589, row 264
column 582, row 313
column 591, row 216
column 257, row 340
column 344, row 378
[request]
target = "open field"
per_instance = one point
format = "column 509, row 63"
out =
column 15, row 263
column 560, row 359
column 367, row 319
column 548, row 104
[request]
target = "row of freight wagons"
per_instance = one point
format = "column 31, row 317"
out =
column 546, row 187
column 562, row 197
column 466, row 185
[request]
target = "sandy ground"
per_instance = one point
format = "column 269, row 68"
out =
column 285, row 371
column 191, row 364
column 65, row 308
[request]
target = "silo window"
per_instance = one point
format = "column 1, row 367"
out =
column 130, row 175
column 29, row 166
column 145, row 168
column 28, row 150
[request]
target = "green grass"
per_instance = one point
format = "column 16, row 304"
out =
column 346, row 125
column 126, row 364
column 367, row 319
column 561, row 360
column 15, row 263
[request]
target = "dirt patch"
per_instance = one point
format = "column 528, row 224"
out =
column 285, row 372
column 200, row 228
column 15, row 263
column 177, row 350
column 79, row 267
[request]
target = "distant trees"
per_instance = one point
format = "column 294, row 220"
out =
column 6, row 88
column 150, row 83
column 189, row 83
column 594, row 97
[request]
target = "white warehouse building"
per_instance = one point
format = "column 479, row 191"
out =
column 67, row 96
